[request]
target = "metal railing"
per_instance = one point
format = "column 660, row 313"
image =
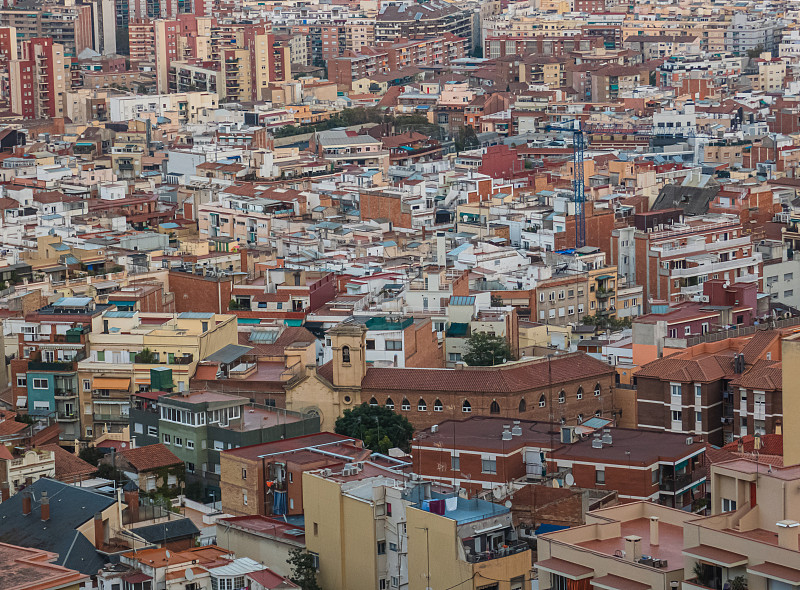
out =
column 510, row 549
column 672, row 484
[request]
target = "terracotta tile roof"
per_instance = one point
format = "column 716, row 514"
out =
column 150, row 457
column 764, row 374
column 771, row 444
column 8, row 427
column 69, row 467
column 704, row 369
column 326, row 371
column 755, row 347
column 505, row 379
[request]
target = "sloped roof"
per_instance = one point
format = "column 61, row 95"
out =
column 69, row 467
column 70, row 507
column 708, row 368
column 771, row 444
column 765, row 375
column 503, row 379
column 150, row 457
column 166, row 531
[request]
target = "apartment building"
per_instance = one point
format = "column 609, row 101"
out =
column 198, row 426
column 369, row 529
column 267, row 479
column 342, row 148
column 635, row 545
column 674, row 258
column 407, row 20
column 718, row 390
column 132, row 351
column 38, row 79
column 67, row 25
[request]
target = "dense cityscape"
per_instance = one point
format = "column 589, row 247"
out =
column 399, row 295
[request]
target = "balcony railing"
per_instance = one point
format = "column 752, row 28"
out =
column 110, row 418
column 505, row 551
column 672, row 484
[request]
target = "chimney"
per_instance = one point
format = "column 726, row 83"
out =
column 26, row 503
column 5, row 491
column 787, row 534
column 633, row 548
column 99, row 533
column 132, row 500
column 653, row 530
column 45, row 507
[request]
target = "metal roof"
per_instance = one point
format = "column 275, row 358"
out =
column 228, row 354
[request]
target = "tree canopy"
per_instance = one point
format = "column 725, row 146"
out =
column 486, row 350
column 303, row 571
column 379, row 427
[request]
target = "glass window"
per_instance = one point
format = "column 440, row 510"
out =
column 455, row 463
column 488, row 466
column 599, row 476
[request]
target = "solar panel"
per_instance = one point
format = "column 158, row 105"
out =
column 418, row 16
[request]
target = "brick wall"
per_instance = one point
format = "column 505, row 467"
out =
column 196, row 293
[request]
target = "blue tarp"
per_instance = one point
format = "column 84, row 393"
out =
column 549, row 528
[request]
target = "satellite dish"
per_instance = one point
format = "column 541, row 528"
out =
column 508, row 504
column 168, row 554
column 498, row 492
column 189, row 574
column 569, row 480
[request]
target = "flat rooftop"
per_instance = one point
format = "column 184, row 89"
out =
column 670, row 542
column 632, row 446
column 482, row 432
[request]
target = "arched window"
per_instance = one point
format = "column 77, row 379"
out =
column 437, row 405
column 597, row 390
column 542, row 401
column 373, row 402
column 562, row 396
column 494, row 408
column 580, row 393
column 522, row 406
column 406, row 405
column 421, row 405
column 389, row 403
column 465, row 407
column 345, row 354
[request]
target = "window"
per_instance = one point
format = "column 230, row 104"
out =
column 677, row 416
column 597, row 390
column 789, row 293
column 598, row 413
column 152, row 431
column 87, row 385
column 392, row 546
column 542, row 401
column 389, row 403
column 395, row 581
column 346, row 354
column 421, row 405
column 189, row 444
column 788, row 276
column 437, row 405
column 381, row 584
column 394, row 345
column 454, row 357
column 494, row 408
column 167, row 439
column 406, row 405
column 455, row 463
column 600, row 476
column 522, row 406
column 675, row 390
column 40, row 383
column 178, row 442
column 562, row 396
column 466, row 407
column 244, row 473
column 370, row 345
column 373, row 402
column 728, row 505
column 698, row 417
column 381, row 547
column 698, row 391
column 580, row 393
column 244, row 498
column 22, row 380
column 687, row 331
column 488, row 465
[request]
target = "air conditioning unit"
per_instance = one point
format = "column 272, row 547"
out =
column 689, row 440
column 326, row 473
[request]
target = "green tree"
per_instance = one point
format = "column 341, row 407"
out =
column 379, row 427
column 91, row 455
column 146, row 357
column 303, row 572
column 233, row 305
column 486, row 350
column 755, row 51
column 478, row 51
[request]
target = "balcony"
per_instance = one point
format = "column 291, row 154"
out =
column 65, row 394
column 512, row 548
column 110, row 418
column 52, row 366
column 67, row 417
column 679, row 482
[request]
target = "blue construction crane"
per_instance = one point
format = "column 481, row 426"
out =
column 578, row 188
